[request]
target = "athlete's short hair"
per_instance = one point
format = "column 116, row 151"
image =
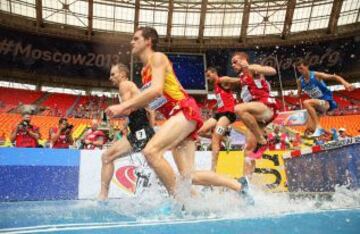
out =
column 122, row 68
column 212, row 69
column 150, row 33
column 241, row 54
column 302, row 62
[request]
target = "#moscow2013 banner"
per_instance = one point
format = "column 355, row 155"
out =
column 46, row 55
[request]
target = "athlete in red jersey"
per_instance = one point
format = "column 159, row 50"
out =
column 163, row 92
column 224, row 115
column 258, row 108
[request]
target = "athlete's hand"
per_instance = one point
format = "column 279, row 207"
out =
column 115, row 110
column 349, row 87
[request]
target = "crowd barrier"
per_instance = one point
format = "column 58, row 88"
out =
column 49, row 174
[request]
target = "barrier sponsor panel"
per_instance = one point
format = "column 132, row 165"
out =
column 38, row 174
column 269, row 171
column 291, row 118
column 323, row 171
column 49, row 174
column 123, row 182
column 90, row 175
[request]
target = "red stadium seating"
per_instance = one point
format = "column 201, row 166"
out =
column 60, row 101
column 291, row 100
column 353, row 94
column 342, row 102
column 350, row 122
column 16, row 96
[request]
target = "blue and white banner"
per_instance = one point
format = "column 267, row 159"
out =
column 323, row 171
column 38, row 174
column 63, row 174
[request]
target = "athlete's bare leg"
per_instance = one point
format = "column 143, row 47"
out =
column 311, row 105
column 117, row 150
column 249, row 165
column 185, row 159
column 184, row 156
column 208, row 126
column 171, row 133
column 251, row 113
column 310, row 124
column 208, row 178
column 217, row 136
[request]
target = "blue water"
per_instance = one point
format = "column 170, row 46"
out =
column 96, row 217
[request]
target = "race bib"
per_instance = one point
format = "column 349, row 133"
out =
column 140, row 134
column 220, row 130
column 245, row 94
column 314, row 92
column 157, row 102
column 272, row 100
column 219, row 101
column 258, row 83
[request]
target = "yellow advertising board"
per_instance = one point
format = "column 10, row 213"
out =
column 269, row 172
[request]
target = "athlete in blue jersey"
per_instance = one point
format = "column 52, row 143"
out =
column 321, row 98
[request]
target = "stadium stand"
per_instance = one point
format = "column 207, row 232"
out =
column 60, row 101
column 18, row 96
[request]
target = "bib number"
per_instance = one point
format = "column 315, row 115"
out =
column 219, row 101
column 258, row 83
column 272, row 100
column 314, row 92
column 140, row 135
column 245, row 94
column 157, row 102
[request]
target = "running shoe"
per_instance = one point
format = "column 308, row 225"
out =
column 318, row 132
column 258, row 151
column 245, row 191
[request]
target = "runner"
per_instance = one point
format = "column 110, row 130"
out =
column 321, row 98
column 258, row 108
column 138, row 123
column 163, row 92
column 224, row 115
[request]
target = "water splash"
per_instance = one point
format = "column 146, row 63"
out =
column 220, row 203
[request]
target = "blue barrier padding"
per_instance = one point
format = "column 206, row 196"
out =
column 39, row 157
column 323, row 171
column 38, row 183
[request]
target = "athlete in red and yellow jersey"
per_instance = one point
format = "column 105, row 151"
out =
column 163, row 92
column 174, row 98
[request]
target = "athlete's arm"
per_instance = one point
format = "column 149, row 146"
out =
column 125, row 91
column 229, row 80
column 264, row 70
column 151, row 116
column 339, row 79
column 158, row 64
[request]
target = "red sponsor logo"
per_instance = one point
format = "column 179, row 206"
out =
column 125, row 178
